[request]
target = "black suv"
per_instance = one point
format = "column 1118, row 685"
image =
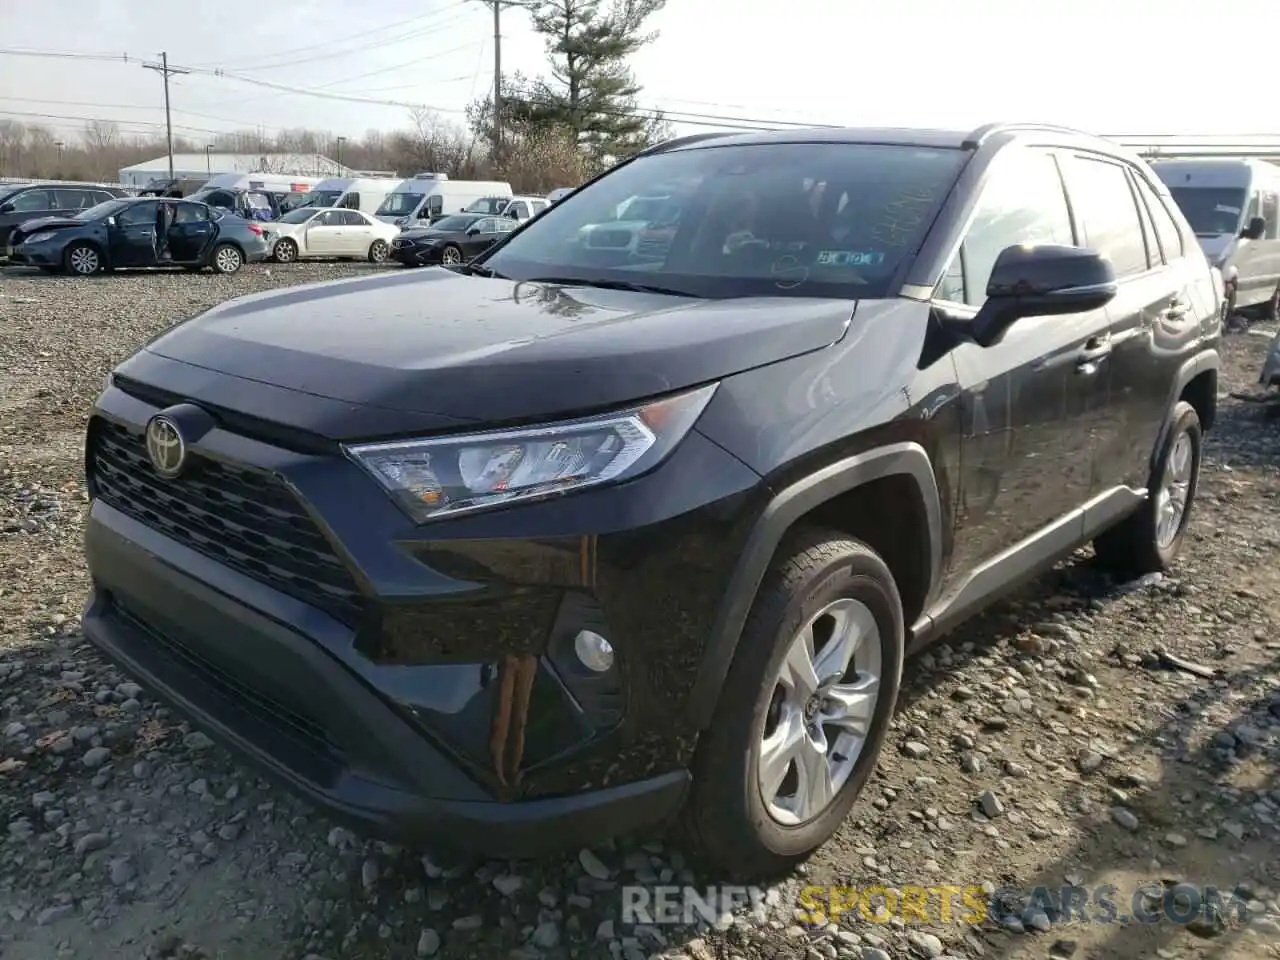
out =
column 30, row 201
column 591, row 532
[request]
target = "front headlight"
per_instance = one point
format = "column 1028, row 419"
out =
column 457, row 474
column 40, row 237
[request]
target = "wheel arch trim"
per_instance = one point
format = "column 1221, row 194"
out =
column 788, row 505
column 1202, row 362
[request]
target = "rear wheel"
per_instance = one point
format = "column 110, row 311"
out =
column 285, row 250
column 804, row 709
column 226, row 258
column 1148, row 541
column 378, row 251
column 83, row 259
column 451, row 255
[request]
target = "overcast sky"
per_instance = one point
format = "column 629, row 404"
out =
column 1109, row 66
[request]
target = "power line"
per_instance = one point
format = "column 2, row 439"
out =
column 166, row 71
column 352, row 36
column 118, row 122
column 134, row 106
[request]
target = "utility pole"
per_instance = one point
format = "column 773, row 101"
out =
column 497, row 6
column 340, row 141
column 166, row 71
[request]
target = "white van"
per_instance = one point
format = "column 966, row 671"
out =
column 1233, row 205
column 365, row 194
column 430, row 196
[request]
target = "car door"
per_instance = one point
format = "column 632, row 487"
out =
column 132, row 237
column 479, row 236
column 1027, row 444
column 26, row 205
column 191, row 232
column 1155, row 317
column 356, row 234
column 323, row 234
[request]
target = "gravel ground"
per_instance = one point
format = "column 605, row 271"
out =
column 1044, row 744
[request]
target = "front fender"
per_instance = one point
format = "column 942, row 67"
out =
column 788, row 506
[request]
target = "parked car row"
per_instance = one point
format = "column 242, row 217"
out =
column 139, row 232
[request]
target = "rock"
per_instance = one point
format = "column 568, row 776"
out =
column 95, row 757
column 925, row 944
column 915, row 749
column 990, row 805
column 507, row 884
column 1124, row 817
column 593, row 865
column 1175, row 840
column 54, row 914
column 875, row 953
column 195, row 741
column 546, row 936
column 471, row 922
column 1062, row 949
column 121, row 871
column 91, row 842
column 428, row 943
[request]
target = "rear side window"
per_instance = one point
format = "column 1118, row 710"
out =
column 1022, row 203
column 1105, row 208
column 67, row 199
column 351, row 201
column 1167, row 231
column 435, row 204
column 32, row 201
column 352, row 219
column 190, row 213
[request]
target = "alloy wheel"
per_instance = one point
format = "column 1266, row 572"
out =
column 85, row 261
column 821, row 711
column 1171, row 501
column 451, row 255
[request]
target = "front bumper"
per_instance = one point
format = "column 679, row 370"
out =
column 36, row 255
column 415, row 256
column 387, row 709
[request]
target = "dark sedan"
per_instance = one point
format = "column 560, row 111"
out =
column 452, row 240
column 140, row 232
column 20, row 202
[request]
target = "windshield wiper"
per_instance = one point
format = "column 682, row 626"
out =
column 613, row 285
column 480, row 270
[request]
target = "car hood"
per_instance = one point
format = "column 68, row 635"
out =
column 48, row 223
column 467, row 348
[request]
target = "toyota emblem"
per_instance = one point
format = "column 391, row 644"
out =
column 165, row 447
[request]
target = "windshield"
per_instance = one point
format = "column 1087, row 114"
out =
column 783, row 219
column 301, row 215
column 1211, row 211
column 456, row 222
column 487, row 205
column 104, row 209
column 324, row 198
column 399, row 204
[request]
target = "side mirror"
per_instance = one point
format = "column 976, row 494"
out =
column 1041, row 281
column 110, row 221
column 7, row 208
column 1254, row 231
column 473, row 230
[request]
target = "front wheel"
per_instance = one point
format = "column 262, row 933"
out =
column 450, row 255
column 226, row 258
column 804, row 709
column 379, row 251
column 285, row 251
column 1148, row 541
column 83, row 259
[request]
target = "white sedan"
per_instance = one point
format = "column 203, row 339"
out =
column 329, row 232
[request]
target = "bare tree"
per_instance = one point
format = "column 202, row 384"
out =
column 100, row 135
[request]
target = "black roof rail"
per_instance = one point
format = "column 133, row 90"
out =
column 684, row 141
column 988, row 130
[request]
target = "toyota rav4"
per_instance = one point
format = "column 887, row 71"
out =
column 579, row 537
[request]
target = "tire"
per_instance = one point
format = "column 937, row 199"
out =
column 83, row 259
column 729, row 818
column 451, row 255
column 285, row 251
column 226, row 258
column 379, row 251
column 1141, row 543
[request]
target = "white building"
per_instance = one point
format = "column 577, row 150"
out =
column 192, row 166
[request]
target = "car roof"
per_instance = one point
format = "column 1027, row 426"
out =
column 925, row 137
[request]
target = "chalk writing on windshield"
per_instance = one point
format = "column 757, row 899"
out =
column 902, row 216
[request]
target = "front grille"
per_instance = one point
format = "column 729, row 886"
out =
column 402, row 243
column 243, row 518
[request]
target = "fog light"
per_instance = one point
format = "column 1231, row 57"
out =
column 594, row 651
